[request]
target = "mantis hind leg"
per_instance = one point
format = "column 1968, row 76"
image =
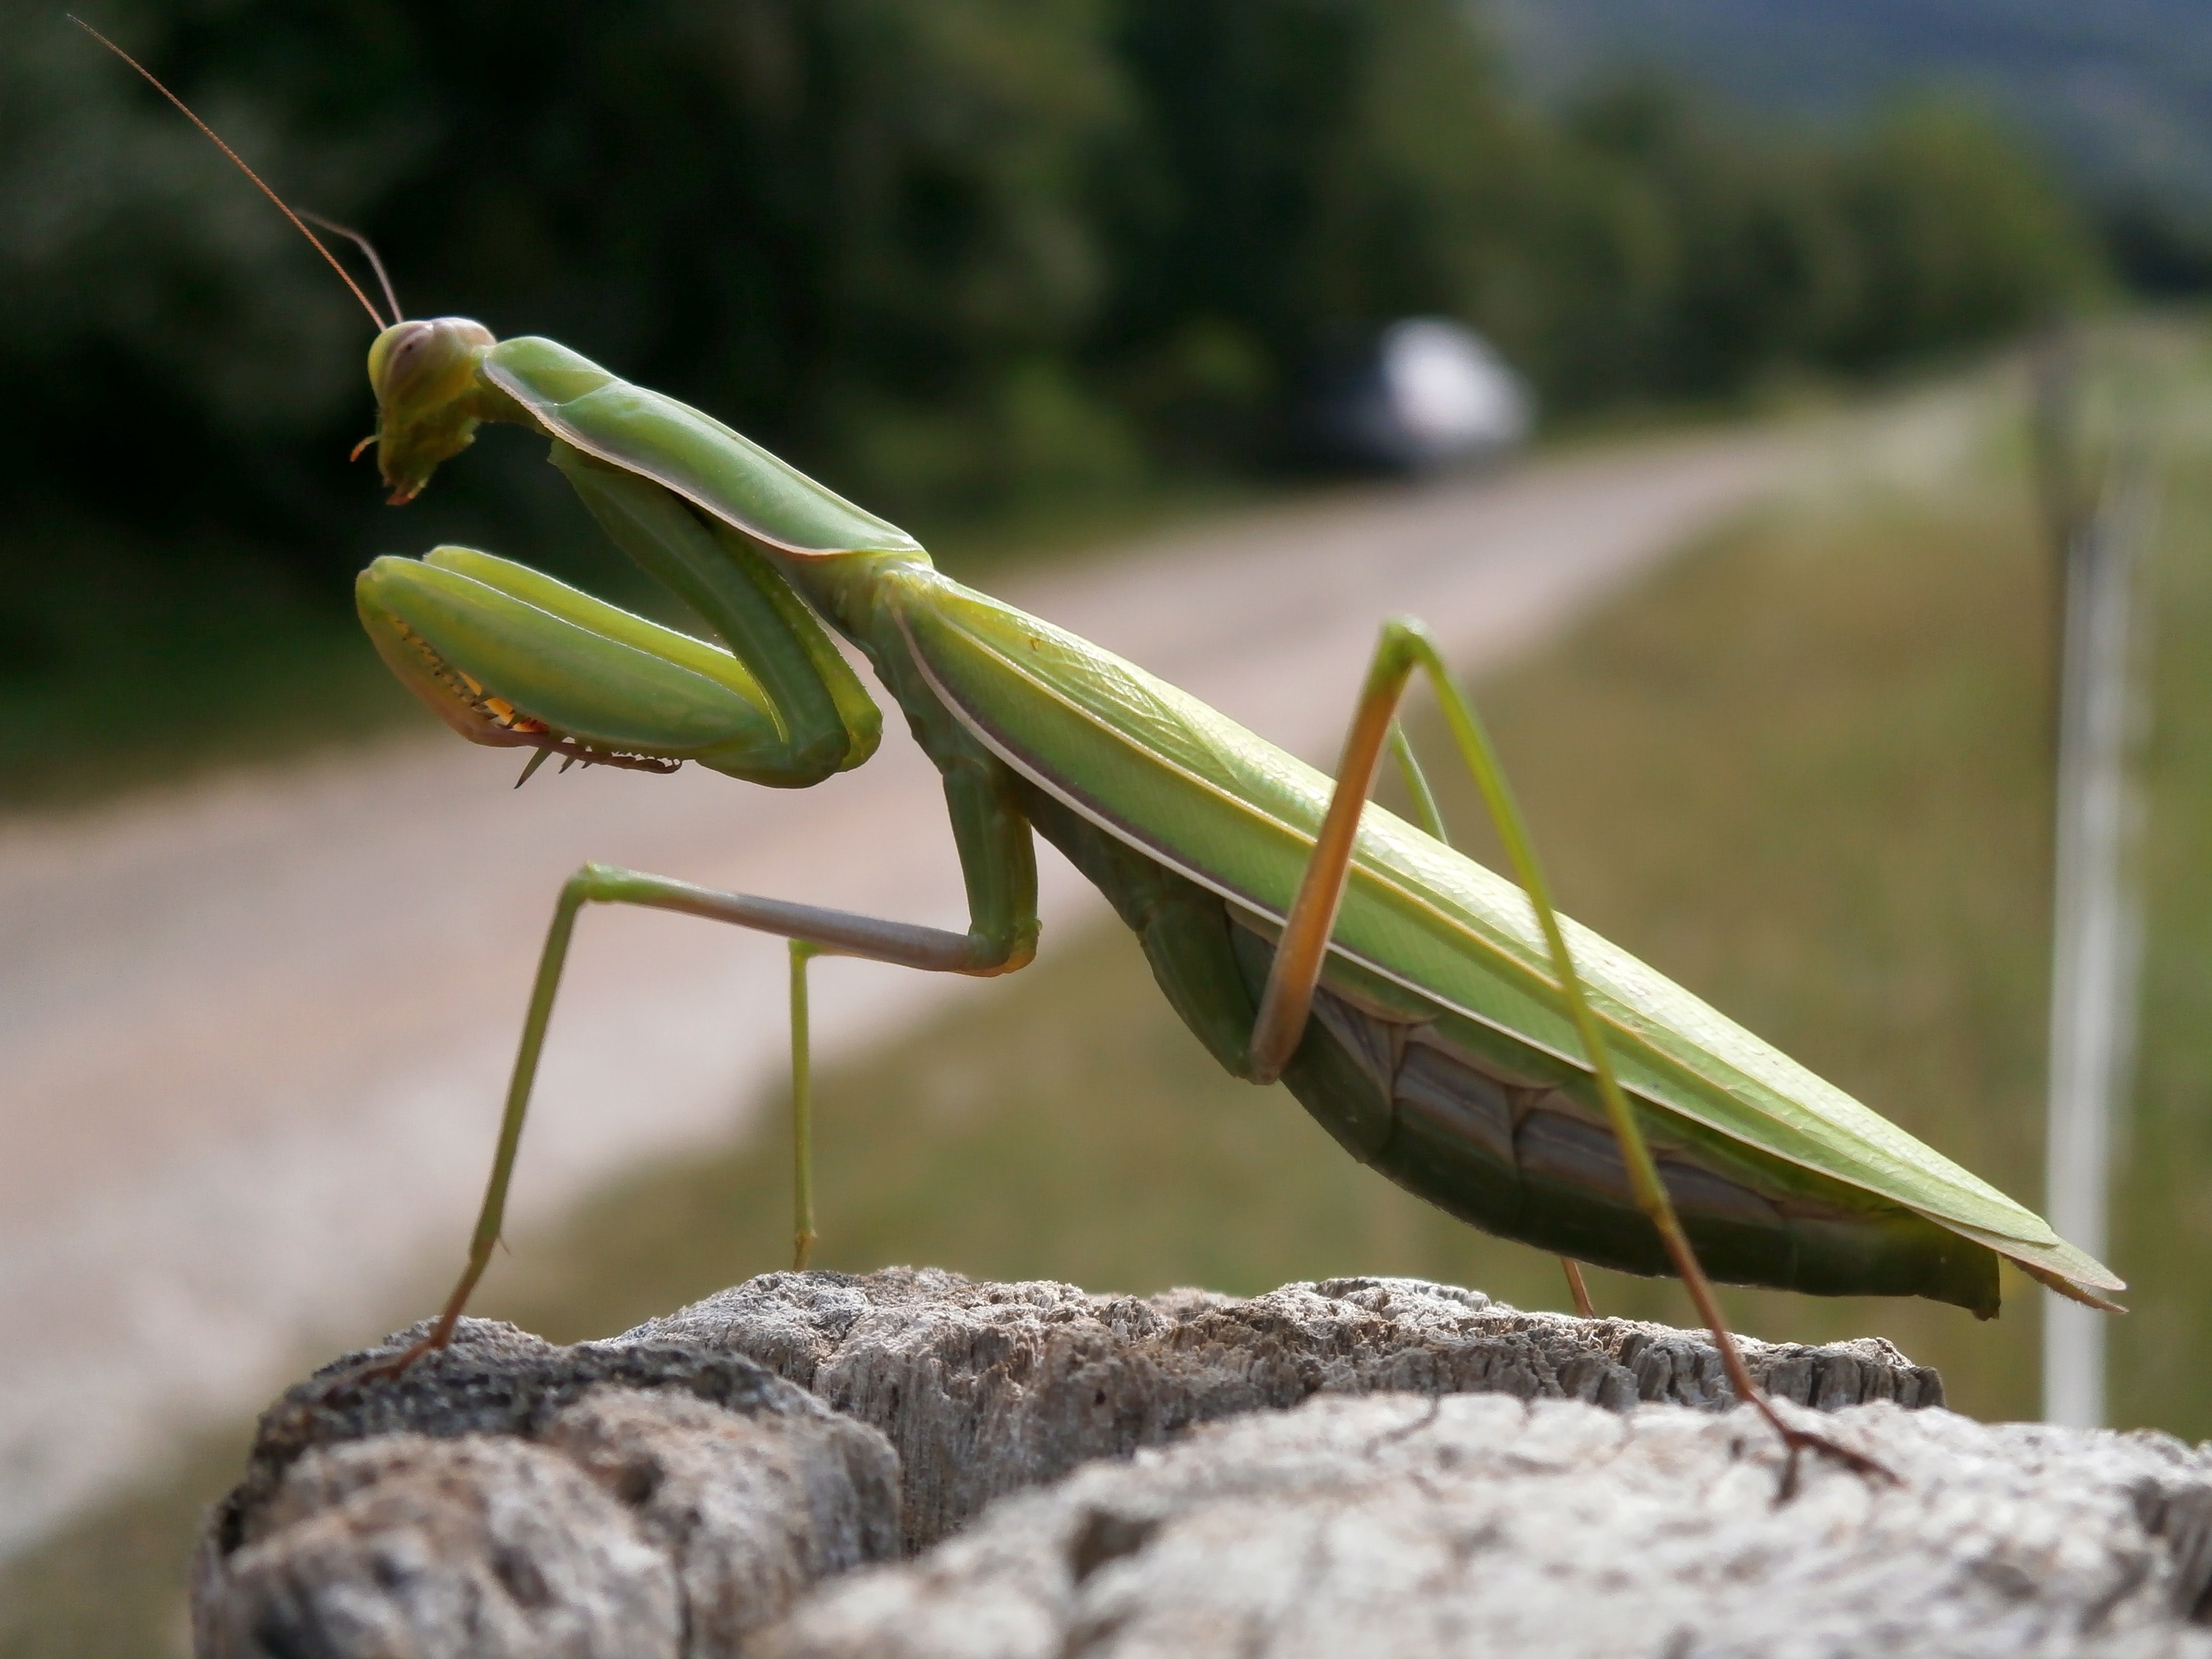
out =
column 812, row 931
column 1432, row 820
column 1287, row 999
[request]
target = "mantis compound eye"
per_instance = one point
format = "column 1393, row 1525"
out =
column 396, row 354
column 416, row 362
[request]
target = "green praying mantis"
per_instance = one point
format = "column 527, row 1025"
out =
column 1446, row 1025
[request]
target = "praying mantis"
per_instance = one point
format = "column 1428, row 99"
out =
column 1447, row 1026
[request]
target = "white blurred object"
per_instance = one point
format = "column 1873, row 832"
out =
column 1424, row 394
column 2099, row 504
column 2097, row 920
column 1452, row 395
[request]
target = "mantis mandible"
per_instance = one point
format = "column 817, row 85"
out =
column 1446, row 1025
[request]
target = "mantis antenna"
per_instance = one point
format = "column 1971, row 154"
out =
column 368, row 248
column 154, row 81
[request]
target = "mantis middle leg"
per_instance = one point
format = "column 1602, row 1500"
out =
column 813, row 931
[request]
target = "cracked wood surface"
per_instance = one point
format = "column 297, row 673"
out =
column 1347, row 1466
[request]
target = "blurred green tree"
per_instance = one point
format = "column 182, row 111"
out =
column 1956, row 237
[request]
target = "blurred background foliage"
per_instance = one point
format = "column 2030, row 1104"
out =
column 2119, row 92
column 962, row 258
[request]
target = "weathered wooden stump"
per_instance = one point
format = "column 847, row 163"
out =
column 1350, row 1466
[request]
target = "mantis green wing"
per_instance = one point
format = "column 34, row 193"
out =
column 1164, row 774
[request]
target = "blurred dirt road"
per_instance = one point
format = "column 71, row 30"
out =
column 253, row 1032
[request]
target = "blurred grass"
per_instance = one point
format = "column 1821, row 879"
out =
column 1803, row 771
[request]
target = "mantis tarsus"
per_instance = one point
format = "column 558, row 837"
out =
column 1447, row 1027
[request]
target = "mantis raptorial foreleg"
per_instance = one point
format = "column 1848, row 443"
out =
column 1285, row 1004
column 1432, row 822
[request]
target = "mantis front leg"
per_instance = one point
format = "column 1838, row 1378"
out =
column 1300, row 953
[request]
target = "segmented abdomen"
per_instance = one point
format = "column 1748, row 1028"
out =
column 1501, row 1135
column 1537, row 1162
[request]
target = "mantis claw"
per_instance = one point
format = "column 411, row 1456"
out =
column 441, row 1336
column 1798, row 1441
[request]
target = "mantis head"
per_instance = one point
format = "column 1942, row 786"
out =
column 423, row 372
column 430, row 398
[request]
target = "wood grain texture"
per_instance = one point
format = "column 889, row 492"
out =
column 1480, row 1525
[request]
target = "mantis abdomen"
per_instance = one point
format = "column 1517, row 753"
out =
column 1494, row 1133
